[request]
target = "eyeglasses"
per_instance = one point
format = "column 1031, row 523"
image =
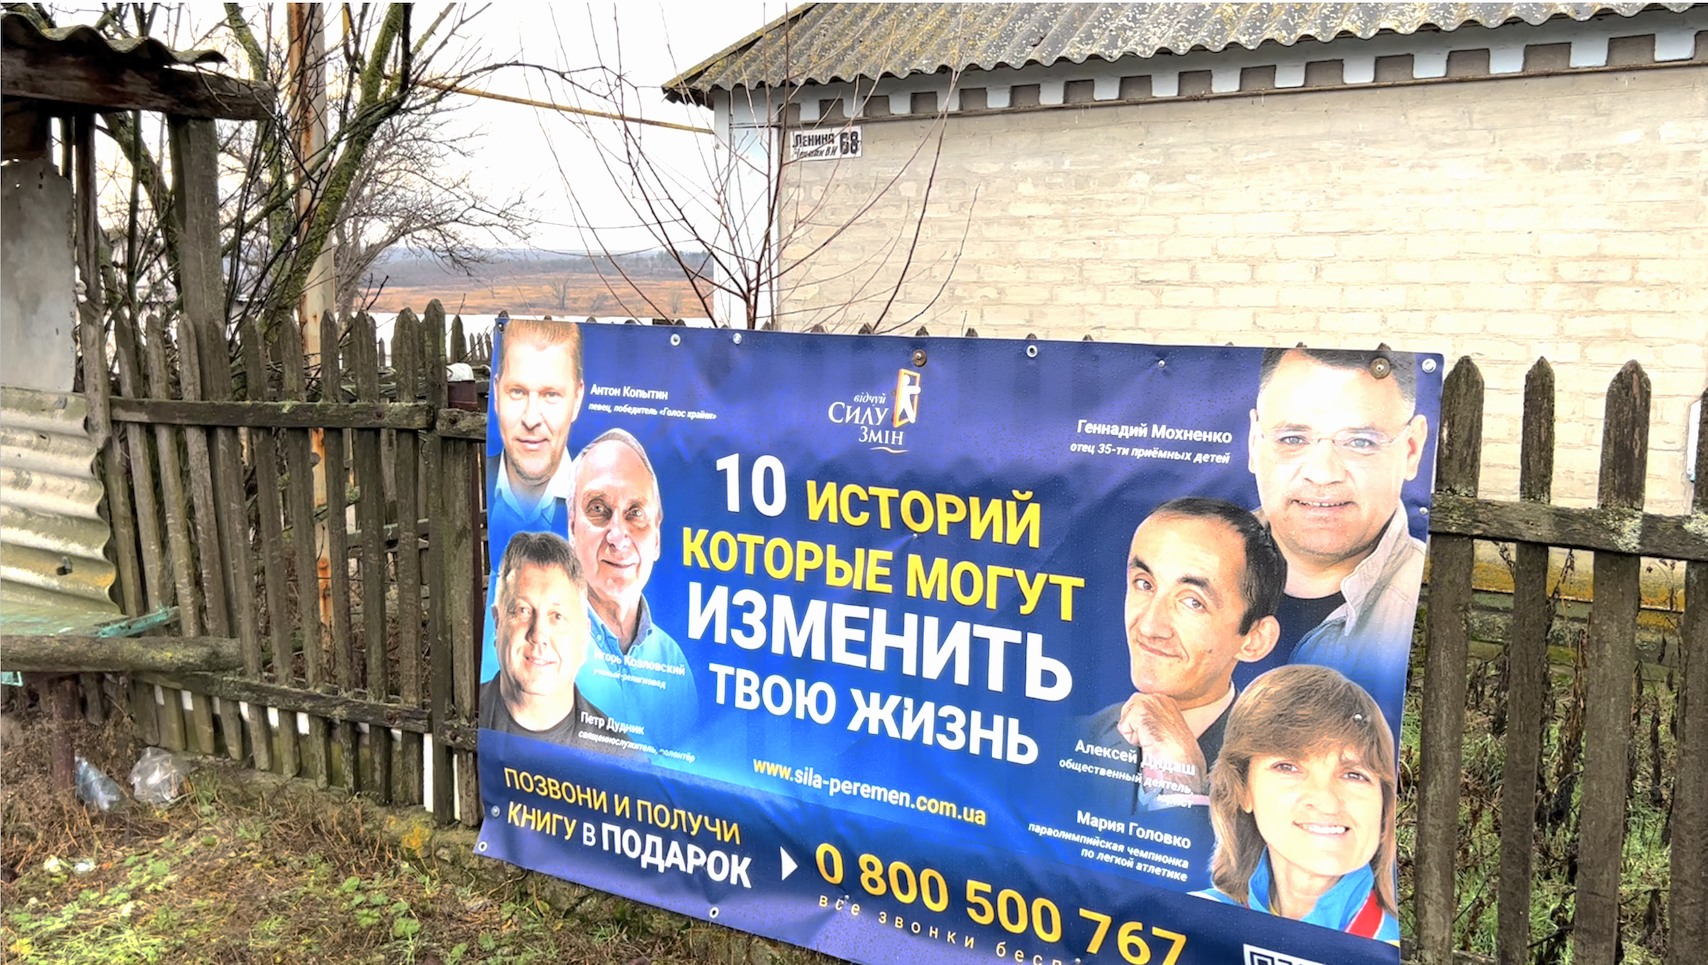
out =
column 1351, row 444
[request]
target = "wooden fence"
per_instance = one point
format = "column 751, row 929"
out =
column 348, row 667
column 363, row 674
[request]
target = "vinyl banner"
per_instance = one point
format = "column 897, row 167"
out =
column 957, row 649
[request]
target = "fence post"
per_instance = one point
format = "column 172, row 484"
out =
column 167, row 727
column 299, row 467
column 1688, row 907
column 337, row 553
column 406, row 355
column 210, row 553
column 1451, row 559
column 1609, row 661
column 177, row 507
column 264, row 456
column 1526, row 677
column 440, row 566
column 196, row 176
column 370, row 517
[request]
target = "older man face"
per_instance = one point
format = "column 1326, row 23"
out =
column 536, row 397
column 541, row 625
column 1330, row 449
column 616, row 524
column 1185, row 607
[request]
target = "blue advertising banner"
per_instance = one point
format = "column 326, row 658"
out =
column 897, row 647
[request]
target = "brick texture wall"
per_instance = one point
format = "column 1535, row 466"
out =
column 1508, row 219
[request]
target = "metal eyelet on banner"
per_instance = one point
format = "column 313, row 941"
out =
column 495, row 810
column 1428, row 366
column 919, row 358
column 713, row 913
column 677, row 339
column 481, row 847
column 1031, row 351
column 736, row 338
column 1380, row 367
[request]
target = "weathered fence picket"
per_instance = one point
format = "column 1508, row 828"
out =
column 382, row 630
column 299, row 471
column 441, row 572
column 1449, row 629
column 157, row 591
column 176, row 507
column 1610, row 661
column 370, row 521
column 1526, row 676
column 1688, row 912
column 269, row 507
column 336, row 589
column 406, row 353
column 209, row 549
column 462, row 470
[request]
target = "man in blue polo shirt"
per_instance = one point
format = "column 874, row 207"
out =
column 536, row 394
column 636, row 672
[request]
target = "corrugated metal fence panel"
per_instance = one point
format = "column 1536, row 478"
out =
column 54, row 574
column 828, row 42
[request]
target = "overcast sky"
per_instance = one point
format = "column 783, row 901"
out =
column 537, row 150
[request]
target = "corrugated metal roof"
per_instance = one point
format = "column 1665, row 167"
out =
column 820, row 43
column 20, row 30
column 54, row 574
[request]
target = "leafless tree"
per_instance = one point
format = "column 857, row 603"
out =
column 380, row 180
column 707, row 216
column 416, row 191
column 560, row 291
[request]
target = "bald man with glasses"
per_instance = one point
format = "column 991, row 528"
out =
column 1335, row 435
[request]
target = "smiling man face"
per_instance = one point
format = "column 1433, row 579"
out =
column 1330, row 448
column 616, row 528
column 540, row 619
column 1187, row 615
column 536, row 393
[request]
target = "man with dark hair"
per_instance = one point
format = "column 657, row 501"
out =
column 636, row 670
column 1203, row 581
column 537, row 389
column 541, row 628
column 1334, row 437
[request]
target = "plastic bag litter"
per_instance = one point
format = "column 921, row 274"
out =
column 95, row 788
column 157, row 778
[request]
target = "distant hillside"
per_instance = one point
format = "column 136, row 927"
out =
column 643, row 284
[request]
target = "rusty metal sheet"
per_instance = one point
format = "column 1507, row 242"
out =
column 821, row 43
column 54, row 573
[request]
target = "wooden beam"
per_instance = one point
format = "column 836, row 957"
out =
column 278, row 415
column 1612, row 530
column 358, row 709
column 459, row 424
column 195, row 196
column 54, row 653
column 113, row 84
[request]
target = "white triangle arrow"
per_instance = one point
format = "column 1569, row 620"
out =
column 788, row 864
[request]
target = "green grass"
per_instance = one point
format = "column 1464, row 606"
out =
column 1645, row 875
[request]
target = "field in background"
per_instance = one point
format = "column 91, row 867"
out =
column 648, row 285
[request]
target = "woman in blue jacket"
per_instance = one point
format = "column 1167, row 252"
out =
column 1302, row 800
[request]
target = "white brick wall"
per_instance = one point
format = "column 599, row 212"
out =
column 1563, row 216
